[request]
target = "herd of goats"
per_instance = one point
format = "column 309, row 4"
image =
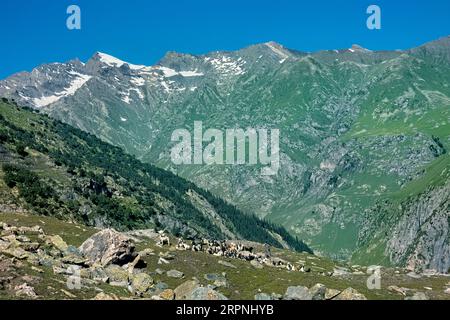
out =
column 231, row 249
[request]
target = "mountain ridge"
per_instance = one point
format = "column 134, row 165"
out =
column 356, row 126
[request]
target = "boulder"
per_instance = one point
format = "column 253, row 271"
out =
column 317, row 292
column 184, row 290
column 350, row 294
column 117, row 276
column 331, row 293
column 141, row 283
column 167, row 294
column 108, row 247
column 297, row 293
column 57, row 242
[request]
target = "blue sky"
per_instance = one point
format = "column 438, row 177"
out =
column 141, row 31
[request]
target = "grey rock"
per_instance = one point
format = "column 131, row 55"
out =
column 141, row 283
column 108, row 247
column 297, row 293
column 184, row 290
column 175, row 274
column 350, row 294
column 317, row 292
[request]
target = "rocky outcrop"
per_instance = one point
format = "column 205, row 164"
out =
column 421, row 238
column 108, row 247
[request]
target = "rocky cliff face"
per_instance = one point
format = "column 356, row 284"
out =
column 412, row 229
column 421, row 239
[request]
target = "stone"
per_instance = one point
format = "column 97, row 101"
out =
column 396, row 289
column 167, row 294
column 167, row 256
column 418, row 296
column 175, row 274
column 17, row 253
column 24, row 290
column 227, row 264
column 414, row 275
column 57, row 242
column 340, row 272
column 141, row 283
column 202, row 293
column 297, row 293
column 104, row 296
column 67, row 293
column 74, row 259
column 117, row 276
column 161, row 286
column 263, row 296
column 183, row 291
column 138, row 263
column 317, row 291
column 146, row 252
column 447, row 291
column 221, row 282
column 96, row 273
column 350, row 294
column 163, row 261
column 212, row 276
column 108, row 247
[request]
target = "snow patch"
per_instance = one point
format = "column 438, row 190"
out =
column 137, row 81
column 227, row 66
column 110, row 60
column 76, row 83
column 139, row 93
column 191, row 73
column 168, row 73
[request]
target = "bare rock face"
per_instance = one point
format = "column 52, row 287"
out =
column 108, row 247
